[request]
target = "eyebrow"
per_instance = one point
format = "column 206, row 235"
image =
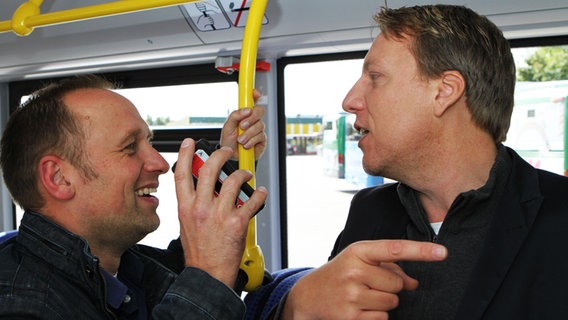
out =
column 368, row 65
column 132, row 134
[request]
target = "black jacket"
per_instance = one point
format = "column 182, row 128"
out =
column 522, row 270
column 47, row 272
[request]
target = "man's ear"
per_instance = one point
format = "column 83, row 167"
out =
column 451, row 88
column 52, row 177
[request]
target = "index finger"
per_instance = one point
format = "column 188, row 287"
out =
column 377, row 251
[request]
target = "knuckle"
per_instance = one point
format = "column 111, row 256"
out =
column 353, row 248
column 205, row 171
column 397, row 284
column 179, row 177
column 395, row 248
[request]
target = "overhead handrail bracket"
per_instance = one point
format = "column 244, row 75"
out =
column 28, row 16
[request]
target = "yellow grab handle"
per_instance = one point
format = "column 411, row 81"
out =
column 252, row 262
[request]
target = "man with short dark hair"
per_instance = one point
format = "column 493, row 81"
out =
column 78, row 158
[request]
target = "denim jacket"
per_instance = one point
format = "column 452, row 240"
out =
column 47, row 272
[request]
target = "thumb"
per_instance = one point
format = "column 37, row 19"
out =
column 408, row 282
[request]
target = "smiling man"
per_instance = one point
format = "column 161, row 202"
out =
column 85, row 180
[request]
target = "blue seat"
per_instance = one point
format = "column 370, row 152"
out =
column 5, row 235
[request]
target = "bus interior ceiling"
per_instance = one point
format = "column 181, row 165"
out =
column 165, row 37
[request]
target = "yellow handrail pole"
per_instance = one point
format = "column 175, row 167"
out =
column 253, row 260
column 28, row 16
column 5, row 25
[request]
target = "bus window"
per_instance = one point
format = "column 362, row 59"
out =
column 354, row 173
column 184, row 106
column 317, row 203
column 303, row 134
column 538, row 120
column 167, row 210
column 341, row 155
column 333, row 145
column 537, row 128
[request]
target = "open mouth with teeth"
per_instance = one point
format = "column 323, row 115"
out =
column 360, row 130
column 145, row 192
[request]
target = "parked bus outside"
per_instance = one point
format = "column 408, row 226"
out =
column 538, row 124
column 341, row 154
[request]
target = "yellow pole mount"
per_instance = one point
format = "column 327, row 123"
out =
column 28, row 16
column 253, row 260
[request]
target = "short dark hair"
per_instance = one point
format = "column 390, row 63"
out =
column 44, row 125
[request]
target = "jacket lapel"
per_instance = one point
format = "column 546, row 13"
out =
column 511, row 224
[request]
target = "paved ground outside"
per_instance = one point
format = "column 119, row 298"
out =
column 317, row 210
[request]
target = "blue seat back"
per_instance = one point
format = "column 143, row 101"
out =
column 5, row 235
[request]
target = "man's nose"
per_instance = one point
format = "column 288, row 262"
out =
column 155, row 162
column 353, row 101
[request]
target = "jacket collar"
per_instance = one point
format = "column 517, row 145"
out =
column 516, row 213
column 66, row 251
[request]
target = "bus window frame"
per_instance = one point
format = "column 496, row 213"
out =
column 281, row 64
